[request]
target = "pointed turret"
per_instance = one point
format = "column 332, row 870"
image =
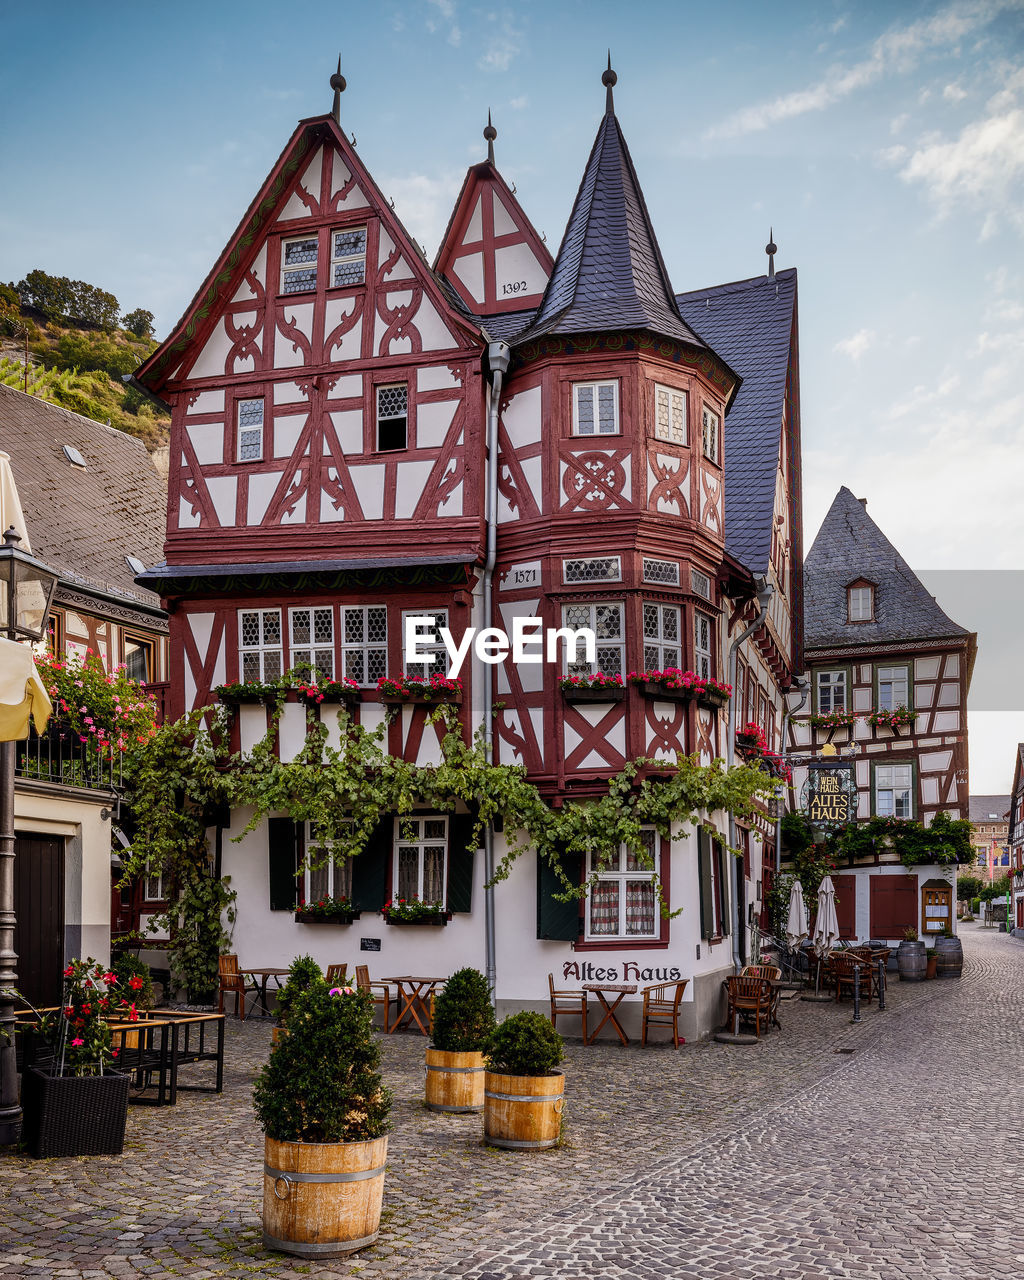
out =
column 609, row 273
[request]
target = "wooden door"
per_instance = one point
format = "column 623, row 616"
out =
column 893, row 906
column 846, row 906
column 39, row 905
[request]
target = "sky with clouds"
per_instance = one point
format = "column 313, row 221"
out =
column 883, row 142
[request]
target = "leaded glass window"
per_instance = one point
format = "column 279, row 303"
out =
column 595, row 408
column 298, row 264
column 421, row 855
column 364, row 643
column 703, row 645
column 328, row 873
column 392, row 417
column 709, row 425
column 666, row 571
column 348, row 257
column 430, row 642
column 606, row 622
column 623, row 900
column 670, row 414
column 661, row 637
column 260, row 651
column 595, row 569
column 250, row 430
column 313, row 641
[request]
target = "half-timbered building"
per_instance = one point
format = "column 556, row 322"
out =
column 889, row 676
column 1015, row 841
column 93, row 508
column 358, row 437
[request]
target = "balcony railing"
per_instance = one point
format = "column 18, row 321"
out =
column 60, row 756
column 160, row 689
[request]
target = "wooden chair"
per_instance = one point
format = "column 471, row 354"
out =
column 844, row 966
column 573, row 1003
column 364, row 984
column 774, row 974
column 749, row 997
column 232, row 982
column 661, row 1004
column 336, row 973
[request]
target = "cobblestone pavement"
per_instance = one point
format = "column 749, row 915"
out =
column 789, row 1158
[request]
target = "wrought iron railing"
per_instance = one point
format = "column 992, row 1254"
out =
column 60, row 756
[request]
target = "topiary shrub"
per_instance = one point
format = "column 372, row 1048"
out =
column 302, row 971
column 463, row 1015
column 525, row 1044
column 322, row 1082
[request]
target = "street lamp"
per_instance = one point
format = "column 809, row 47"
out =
column 26, row 590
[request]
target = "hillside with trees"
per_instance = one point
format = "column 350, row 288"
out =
column 79, row 350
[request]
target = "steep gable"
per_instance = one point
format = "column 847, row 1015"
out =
column 491, row 254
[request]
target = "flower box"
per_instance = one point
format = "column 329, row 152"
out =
column 423, row 697
column 334, row 694
column 438, row 919
column 713, row 699
column 236, row 695
column 596, row 693
column 314, row 917
column 657, row 689
column 74, row 1115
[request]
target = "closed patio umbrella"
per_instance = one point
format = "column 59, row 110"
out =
column 826, row 927
column 796, row 921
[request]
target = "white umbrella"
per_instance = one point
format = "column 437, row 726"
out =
column 826, row 927
column 796, row 922
column 10, row 504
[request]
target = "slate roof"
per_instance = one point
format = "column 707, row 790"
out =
column 609, row 273
column 84, row 522
column 989, row 808
column 749, row 323
column 849, row 546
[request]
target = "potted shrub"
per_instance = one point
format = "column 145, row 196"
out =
column 324, row 1112
column 302, row 971
column 77, row 1103
column 462, row 1025
column 523, row 1088
column 911, row 959
column 932, row 961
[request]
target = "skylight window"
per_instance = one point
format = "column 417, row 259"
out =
column 135, row 564
column 73, row 456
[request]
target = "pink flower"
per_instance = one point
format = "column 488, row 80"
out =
column 77, row 1042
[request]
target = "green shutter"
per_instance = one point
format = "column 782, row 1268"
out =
column 558, row 920
column 461, row 856
column 707, row 901
column 283, row 843
column 724, row 857
column 371, row 868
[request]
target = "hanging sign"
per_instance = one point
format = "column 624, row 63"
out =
column 830, row 795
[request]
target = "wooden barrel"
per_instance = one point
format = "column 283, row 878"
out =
column 949, row 957
column 455, row 1081
column 912, row 961
column 277, row 1034
column 523, row 1113
column 322, row 1199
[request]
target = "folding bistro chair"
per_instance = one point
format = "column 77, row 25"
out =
column 384, row 998
column 661, row 1005
column 573, row 1003
column 232, row 982
column 750, row 997
column 336, row 972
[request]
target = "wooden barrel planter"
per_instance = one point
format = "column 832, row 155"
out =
column 455, row 1081
column 277, row 1034
column 322, row 1199
column 912, row 961
column 949, row 957
column 523, row 1113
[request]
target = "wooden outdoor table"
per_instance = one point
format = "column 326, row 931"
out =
column 415, row 1001
column 620, row 990
column 259, row 989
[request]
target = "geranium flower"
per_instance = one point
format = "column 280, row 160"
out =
column 77, row 1042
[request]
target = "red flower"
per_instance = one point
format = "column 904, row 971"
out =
column 135, row 982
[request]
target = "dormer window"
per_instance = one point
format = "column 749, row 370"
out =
column 860, row 602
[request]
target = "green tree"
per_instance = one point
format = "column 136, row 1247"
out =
column 967, row 887
column 139, row 322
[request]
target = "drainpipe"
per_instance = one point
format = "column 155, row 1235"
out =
column 803, row 687
column 497, row 358
column 764, row 595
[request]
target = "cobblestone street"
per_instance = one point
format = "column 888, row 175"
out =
column 791, row 1158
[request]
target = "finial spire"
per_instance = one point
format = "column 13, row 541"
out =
column 771, row 249
column 609, row 79
column 338, row 85
column 490, row 133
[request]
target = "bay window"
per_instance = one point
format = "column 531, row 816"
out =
column 608, row 625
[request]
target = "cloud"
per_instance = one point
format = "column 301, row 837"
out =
column 953, row 93
column 982, row 167
column 896, row 52
column 501, row 44
column 447, row 15
column 424, row 202
column 855, row 346
column 520, row 103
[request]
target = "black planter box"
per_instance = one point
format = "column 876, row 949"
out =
column 712, row 700
column 418, row 698
column 74, row 1115
column 347, row 917
column 610, row 693
column 439, row 920
column 655, row 689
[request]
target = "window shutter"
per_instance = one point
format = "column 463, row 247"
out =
column 707, row 901
column 558, row 921
column 461, row 857
column 370, row 869
column 283, row 843
column 723, row 855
